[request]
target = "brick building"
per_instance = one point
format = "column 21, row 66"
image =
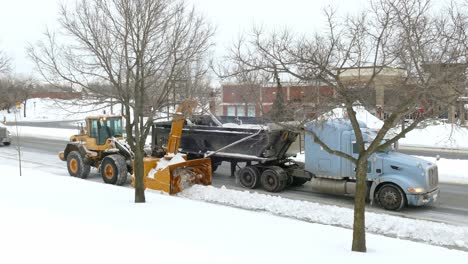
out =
column 256, row 100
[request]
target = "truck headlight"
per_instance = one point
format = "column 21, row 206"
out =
column 416, row 190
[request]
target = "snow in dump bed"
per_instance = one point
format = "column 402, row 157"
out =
column 53, row 219
column 429, row 232
column 246, row 126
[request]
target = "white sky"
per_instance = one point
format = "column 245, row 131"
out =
column 24, row 21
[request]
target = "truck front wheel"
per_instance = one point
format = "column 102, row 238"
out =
column 390, row 197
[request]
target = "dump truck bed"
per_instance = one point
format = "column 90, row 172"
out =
column 266, row 142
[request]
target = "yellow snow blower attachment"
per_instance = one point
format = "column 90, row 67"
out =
column 173, row 172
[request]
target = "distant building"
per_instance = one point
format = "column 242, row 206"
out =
column 256, row 100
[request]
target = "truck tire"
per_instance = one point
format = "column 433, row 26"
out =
column 249, row 177
column 114, row 169
column 390, row 197
column 76, row 166
column 6, row 143
column 274, row 179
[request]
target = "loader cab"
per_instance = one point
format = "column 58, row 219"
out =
column 103, row 127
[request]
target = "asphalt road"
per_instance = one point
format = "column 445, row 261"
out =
column 451, row 207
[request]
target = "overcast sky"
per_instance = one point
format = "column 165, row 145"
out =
column 24, row 21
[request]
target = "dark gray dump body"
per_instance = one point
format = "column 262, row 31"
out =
column 271, row 143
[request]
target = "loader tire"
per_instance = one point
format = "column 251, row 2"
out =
column 249, row 177
column 274, row 179
column 76, row 166
column 114, row 169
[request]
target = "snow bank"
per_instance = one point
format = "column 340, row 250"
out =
column 429, row 232
column 46, row 109
column 48, row 219
column 447, row 136
column 361, row 114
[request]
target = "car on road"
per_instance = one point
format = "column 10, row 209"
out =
column 5, row 135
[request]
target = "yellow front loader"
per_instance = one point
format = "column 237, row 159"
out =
column 101, row 145
column 175, row 175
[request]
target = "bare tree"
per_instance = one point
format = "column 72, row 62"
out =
column 138, row 48
column 4, row 63
column 397, row 46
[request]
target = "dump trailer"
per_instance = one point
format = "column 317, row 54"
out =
column 261, row 147
column 393, row 179
column 101, row 145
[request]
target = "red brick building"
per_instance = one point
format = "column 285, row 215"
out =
column 256, row 100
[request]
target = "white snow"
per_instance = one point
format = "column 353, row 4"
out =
column 53, row 219
column 361, row 114
column 163, row 163
column 46, row 109
column 447, row 136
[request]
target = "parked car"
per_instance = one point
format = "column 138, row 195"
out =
column 5, row 135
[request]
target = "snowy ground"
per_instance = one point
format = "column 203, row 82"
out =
column 39, row 109
column 52, row 219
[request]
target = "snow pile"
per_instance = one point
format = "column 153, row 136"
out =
column 164, row 163
column 51, row 220
column 447, row 136
column 429, row 232
column 361, row 114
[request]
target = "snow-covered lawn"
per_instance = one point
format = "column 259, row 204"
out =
column 51, row 219
column 45, row 109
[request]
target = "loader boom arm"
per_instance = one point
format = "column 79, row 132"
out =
column 183, row 110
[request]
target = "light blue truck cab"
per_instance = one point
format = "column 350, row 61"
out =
column 393, row 179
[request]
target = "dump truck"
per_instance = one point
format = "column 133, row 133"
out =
column 393, row 179
column 101, row 144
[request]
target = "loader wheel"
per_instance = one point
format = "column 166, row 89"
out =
column 249, row 177
column 114, row 169
column 75, row 165
column 274, row 179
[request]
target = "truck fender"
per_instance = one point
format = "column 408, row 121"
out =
column 398, row 180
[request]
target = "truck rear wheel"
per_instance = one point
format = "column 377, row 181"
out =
column 114, row 169
column 390, row 197
column 249, row 177
column 274, row 179
column 76, row 166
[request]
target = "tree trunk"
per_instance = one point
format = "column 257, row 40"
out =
column 138, row 171
column 359, row 226
column 24, row 105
